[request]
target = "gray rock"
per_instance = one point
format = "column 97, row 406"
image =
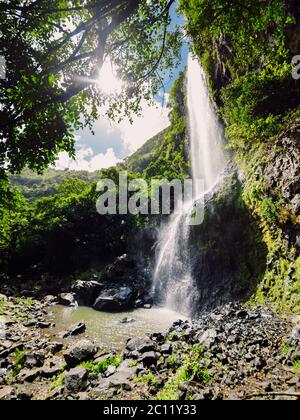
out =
column 77, row 329
column 121, row 379
column 82, row 351
column 114, row 300
column 55, row 347
column 66, row 299
column 141, row 344
column 74, row 380
column 86, row 292
column 208, row 338
column 53, row 367
column 111, row 370
column 166, row 348
column 27, row 375
column 149, row 359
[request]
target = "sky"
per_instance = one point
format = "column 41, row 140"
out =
column 113, row 142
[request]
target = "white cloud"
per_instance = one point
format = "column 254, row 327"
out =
column 153, row 119
column 86, row 160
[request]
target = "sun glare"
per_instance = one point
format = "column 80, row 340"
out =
column 108, row 81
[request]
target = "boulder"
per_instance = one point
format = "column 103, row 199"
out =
column 75, row 330
column 148, row 359
column 141, row 344
column 82, row 351
column 53, row 367
column 122, row 378
column 86, row 292
column 115, row 300
column 66, row 299
column 208, row 338
column 74, row 380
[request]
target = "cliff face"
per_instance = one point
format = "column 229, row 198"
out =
column 246, row 49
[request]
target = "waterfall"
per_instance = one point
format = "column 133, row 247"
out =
column 172, row 280
column 206, row 133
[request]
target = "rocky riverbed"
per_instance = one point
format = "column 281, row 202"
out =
column 231, row 353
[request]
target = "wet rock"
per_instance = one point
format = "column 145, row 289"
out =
column 75, row 330
column 115, row 300
column 66, row 299
column 86, row 292
column 127, row 321
column 82, row 351
column 74, row 380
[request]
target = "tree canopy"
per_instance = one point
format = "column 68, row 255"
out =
column 54, row 50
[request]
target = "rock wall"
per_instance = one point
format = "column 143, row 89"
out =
column 246, row 52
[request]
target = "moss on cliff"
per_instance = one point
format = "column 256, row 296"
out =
column 246, row 50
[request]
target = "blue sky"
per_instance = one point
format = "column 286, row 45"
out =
column 113, row 142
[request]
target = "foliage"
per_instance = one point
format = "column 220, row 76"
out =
column 60, row 233
column 296, row 366
column 103, row 365
column 54, row 51
column 172, row 160
column 13, row 220
column 149, row 380
column 34, row 186
column 57, row 382
column 20, row 356
column 247, row 27
column 192, row 369
column 27, row 302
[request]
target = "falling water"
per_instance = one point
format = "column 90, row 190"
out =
column 206, row 133
column 173, row 282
